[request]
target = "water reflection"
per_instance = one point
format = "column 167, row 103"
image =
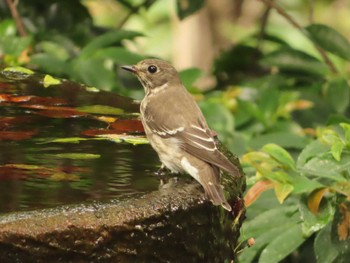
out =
column 34, row 175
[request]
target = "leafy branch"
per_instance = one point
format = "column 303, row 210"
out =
column 292, row 21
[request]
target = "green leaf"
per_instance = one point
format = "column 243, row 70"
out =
column 279, row 154
column 93, row 72
column 330, row 40
column 329, row 249
column 303, row 184
column 218, row 117
column 346, row 128
column 188, row 7
column 338, row 94
column 106, row 40
column 294, row 60
column 283, row 139
column 118, row 54
column 189, row 76
column 312, row 223
column 324, row 165
column 282, row 191
column 101, row 109
column 51, row 64
column 283, row 244
column 310, row 151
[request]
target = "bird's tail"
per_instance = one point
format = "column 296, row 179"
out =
column 210, row 180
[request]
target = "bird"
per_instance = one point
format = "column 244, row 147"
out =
column 177, row 130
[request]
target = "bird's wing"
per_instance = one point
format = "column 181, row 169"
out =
column 186, row 122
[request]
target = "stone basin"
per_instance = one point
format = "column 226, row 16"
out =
column 132, row 219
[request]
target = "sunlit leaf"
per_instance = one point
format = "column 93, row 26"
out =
column 282, row 191
column 255, row 191
column 279, row 154
column 330, row 40
column 50, row 81
column 260, row 161
column 101, row 109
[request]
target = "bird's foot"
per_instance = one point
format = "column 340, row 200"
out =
column 162, row 173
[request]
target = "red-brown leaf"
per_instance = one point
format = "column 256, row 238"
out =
column 127, row 126
column 16, row 135
column 256, row 190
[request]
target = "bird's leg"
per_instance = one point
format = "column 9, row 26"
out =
column 162, row 174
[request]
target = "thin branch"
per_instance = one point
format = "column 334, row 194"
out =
column 132, row 11
column 263, row 25
column 13, row 8
column 291, row 20
column 311, row 11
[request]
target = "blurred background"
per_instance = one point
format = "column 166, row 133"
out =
column 270, row 76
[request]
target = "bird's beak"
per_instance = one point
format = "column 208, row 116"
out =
column 129, row 68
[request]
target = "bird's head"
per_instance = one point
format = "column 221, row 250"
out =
column 154, row 74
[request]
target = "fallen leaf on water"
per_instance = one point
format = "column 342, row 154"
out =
column 76, row 156
column 128, row 126
column 135, row 140
column 5, row 97
column 17, row 135
column 64, row 177
column 61, row 114
column 101, row 109
column 18, row 70
column 49, row 81
column 53, row 173
column 74, row 140
column 47, row 101
column 106, row 119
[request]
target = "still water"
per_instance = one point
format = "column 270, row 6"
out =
column 38, row 172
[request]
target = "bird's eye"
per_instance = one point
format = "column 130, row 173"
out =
column 152, row 69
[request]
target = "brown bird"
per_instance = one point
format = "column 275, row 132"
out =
column 177, row 129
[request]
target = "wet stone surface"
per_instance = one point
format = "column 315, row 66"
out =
column 77, row 183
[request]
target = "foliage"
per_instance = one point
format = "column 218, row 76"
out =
column 286, row 110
